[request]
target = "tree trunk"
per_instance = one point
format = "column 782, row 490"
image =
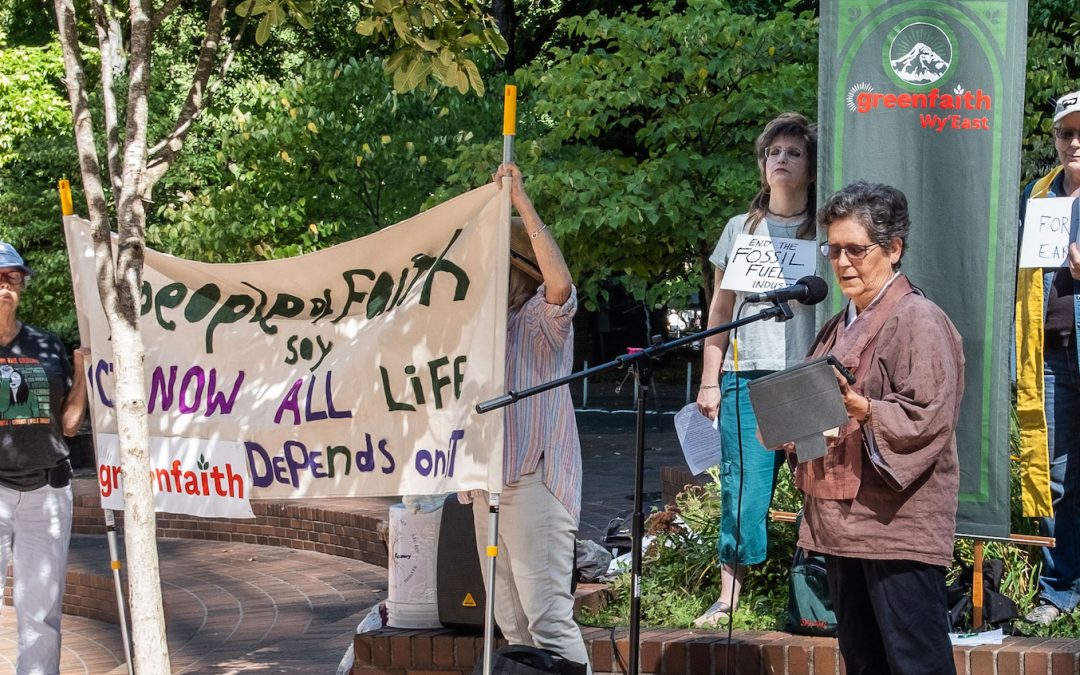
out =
column 119, row 280
column 506, row 19
column 707, row 278
column 140, row 521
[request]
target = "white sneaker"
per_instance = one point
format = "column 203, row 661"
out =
column 1043, row 614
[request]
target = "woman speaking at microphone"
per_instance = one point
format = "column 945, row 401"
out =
column 881, row 504
column 783, row 208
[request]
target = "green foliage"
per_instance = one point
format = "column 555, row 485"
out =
column 328, row 156
column 680, row 573
column 26, row 22
column 35, row 152
column 434, row 38
column 644, row 134
column 1053, row 71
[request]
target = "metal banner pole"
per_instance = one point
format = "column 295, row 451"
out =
column 509, row 129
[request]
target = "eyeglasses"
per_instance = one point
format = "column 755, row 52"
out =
column 852, row 251
column 15, row 278
column 776, row 151
column 1066, row 135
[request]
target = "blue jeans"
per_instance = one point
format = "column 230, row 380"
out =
column 1060, row 579
column 756, row 471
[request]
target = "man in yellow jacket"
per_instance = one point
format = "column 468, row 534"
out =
column 1048, row 385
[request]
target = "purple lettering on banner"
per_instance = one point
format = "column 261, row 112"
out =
column 102, row 366
column 311, row 415
column 389, row 468
column 334, row 413
column 295, row 465
column 160, row 390
column 365, row 459
column 291, row 402
column 216, row 400
column 316, row 465
column 260, row 471
column 280, row 471
column 455, row 436
column 424, row 462
column 194, row 373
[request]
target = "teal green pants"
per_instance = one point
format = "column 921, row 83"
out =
column 743, row 520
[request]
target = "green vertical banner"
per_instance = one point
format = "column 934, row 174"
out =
column 928, row 96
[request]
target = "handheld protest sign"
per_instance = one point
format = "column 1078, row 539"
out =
column 1050, row 225
column 763, row 263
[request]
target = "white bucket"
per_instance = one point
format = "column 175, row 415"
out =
column 411, row 597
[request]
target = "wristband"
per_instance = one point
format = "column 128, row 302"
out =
column 709, row 386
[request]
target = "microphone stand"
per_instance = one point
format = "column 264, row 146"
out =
column 641, row 362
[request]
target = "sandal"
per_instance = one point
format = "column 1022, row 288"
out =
column 716, row 614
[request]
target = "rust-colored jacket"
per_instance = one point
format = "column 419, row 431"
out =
column 908, row 359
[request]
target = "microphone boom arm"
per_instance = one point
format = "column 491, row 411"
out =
column 779, row 311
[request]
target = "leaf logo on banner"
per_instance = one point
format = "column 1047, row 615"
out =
column 202, row 463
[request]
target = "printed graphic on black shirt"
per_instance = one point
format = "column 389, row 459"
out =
column 24, row 392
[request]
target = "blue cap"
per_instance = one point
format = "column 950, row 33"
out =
column 9, row 257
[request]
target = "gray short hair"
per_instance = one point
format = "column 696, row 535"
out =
column 881, row 209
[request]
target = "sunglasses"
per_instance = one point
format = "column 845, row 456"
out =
column 852, row 251
column 1066, row 135
column 15, row 278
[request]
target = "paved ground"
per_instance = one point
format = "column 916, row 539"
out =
column 235, row 608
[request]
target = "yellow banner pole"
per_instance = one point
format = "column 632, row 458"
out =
column 509, row 122
column 66, row 208
column 492, row 550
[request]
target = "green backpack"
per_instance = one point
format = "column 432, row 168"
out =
column 810, row 609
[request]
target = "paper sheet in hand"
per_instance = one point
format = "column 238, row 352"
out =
column 798, row 404
column 699, row 438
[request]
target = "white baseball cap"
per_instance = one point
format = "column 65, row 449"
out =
column 1066, row 105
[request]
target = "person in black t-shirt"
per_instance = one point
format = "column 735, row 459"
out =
column 40, row 403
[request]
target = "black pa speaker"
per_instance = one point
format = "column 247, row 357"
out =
column 459, row 578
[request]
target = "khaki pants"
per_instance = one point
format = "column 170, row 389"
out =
column 533, row 603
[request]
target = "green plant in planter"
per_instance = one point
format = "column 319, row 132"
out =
column 680, row 573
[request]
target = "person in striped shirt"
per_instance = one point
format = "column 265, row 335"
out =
column 541, row 498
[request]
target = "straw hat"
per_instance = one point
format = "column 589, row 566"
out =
column 522, row 255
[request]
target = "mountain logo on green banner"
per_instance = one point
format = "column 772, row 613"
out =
column 920, row 53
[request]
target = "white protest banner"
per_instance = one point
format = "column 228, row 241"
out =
column 762, row 263
column 349, row 371
column 1049, row 228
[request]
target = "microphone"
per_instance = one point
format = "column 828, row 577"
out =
column 809, row 290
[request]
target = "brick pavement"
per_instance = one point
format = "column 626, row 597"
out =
column 229, row 608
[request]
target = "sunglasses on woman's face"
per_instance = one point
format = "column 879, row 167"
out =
column 852, row 251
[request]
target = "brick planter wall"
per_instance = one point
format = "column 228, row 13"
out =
column 346, row 528
column 87, row 595
column 682, row 652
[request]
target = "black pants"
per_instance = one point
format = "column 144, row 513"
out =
column 891, row 616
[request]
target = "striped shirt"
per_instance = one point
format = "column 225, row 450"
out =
column 540, row 348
